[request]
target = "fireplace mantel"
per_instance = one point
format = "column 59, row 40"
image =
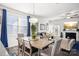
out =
column 72, row 31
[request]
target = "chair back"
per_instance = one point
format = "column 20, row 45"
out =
column 71, row 43
column 27, row 47
column 64, row 43
column 67, row 44
column 19, row 38
column 20, row 41
column 27, row 44
column 55, row 47
column 20, row 35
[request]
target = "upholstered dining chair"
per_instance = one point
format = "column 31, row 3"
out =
column 28, row 49
column 20, row 43
column 67, row 44
column 55, row 49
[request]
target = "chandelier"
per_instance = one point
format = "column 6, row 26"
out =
column 33, row 19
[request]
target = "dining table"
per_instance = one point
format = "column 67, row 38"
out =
column 40, row 43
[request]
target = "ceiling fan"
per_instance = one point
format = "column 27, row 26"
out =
column 68, row 15
column 72, row 14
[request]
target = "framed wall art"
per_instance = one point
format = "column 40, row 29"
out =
column 42, row 26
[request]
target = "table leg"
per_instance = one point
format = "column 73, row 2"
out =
column 39, row 50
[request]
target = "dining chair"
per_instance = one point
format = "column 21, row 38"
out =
column 20, row 46
column 67, row 44
column 20, row 35
column 20, row 43
column 55, row 48
column 28, row 49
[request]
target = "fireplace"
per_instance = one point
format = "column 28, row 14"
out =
column 70, row 35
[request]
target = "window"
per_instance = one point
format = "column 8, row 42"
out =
column 12, row 24
column 12, row 28
column 22, row 26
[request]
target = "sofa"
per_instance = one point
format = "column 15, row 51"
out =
column 3, row 51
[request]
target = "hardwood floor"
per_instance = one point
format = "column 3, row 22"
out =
column 13, row 51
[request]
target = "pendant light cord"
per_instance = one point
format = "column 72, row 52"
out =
column 33, row 8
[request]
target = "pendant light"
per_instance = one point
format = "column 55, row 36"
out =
column 33, row 19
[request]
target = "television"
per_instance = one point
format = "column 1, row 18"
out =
column 70, row 25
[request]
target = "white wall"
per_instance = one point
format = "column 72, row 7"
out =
column 42, row 21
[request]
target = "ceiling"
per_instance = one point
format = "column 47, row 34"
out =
column 48, row 10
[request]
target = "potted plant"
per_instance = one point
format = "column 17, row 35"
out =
column 33, row 28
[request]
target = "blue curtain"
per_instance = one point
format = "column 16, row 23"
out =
column 28, row 24
column 4, row 28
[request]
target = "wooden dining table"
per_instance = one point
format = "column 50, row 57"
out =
column 40, row 43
